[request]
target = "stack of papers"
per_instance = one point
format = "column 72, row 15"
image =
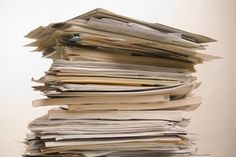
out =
column 121, row 87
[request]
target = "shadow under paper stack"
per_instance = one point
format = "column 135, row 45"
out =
column 121, row 86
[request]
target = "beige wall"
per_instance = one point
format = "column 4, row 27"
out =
column 214, row 120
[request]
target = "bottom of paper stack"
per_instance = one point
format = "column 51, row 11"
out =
column 110, row 133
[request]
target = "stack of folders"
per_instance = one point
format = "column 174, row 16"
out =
column 120, row 85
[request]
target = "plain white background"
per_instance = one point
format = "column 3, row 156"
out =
column 214, row 121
